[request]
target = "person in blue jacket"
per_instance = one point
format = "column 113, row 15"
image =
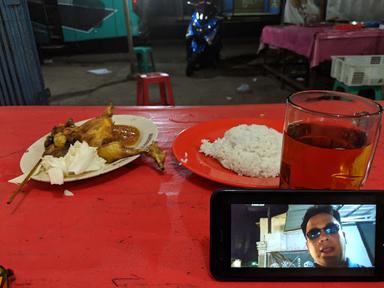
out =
column 325, row 238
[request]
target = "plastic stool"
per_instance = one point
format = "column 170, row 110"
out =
column 144, row 58
column 164, row 82
column 356, row 89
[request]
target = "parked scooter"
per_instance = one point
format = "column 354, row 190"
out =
column 203, row 36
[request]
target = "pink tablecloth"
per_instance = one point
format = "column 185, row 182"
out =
column 320, row 43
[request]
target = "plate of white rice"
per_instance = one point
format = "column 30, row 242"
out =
column 242, row 152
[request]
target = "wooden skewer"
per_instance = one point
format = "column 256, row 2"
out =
column 24, row 181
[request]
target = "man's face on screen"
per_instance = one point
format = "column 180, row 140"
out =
column 325, row 240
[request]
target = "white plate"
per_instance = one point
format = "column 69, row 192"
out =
column 148, row 134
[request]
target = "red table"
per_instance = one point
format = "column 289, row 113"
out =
column 133, row 227
column 318, row 44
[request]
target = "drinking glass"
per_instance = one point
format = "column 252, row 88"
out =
column 329, row 140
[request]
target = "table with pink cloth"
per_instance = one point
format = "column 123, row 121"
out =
column 318, row 44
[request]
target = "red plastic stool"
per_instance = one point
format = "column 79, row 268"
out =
column 164, row 82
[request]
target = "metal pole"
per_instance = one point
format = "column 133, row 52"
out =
column 131, row 52
column 323, row 10
column 269, row 219
column 282, row 11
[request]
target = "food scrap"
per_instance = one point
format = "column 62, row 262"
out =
column 68, row 193
column 185, row 159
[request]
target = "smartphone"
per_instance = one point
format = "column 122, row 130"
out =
column 296, row 235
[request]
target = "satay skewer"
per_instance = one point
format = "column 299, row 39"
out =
column 24, row 182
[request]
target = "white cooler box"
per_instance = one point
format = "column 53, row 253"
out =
column 359, row 70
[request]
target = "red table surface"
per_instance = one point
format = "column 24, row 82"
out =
column 318, row 44
column 133, row 227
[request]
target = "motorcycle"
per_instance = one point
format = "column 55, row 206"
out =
column 203, row 36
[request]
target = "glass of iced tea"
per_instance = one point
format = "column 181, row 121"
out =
column 329, row 140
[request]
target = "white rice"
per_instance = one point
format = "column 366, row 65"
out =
column 249, row 150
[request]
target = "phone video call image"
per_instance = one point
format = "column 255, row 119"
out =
column 302, row 236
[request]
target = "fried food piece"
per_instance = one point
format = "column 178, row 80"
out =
column 124, row 138
column 59, row 140
column 57, row 143
column 116, row 150
column 156, row 154
column 95, row 132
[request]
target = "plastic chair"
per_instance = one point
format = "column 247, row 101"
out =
column 164, row 82
column 144, row 56
column 357, row 89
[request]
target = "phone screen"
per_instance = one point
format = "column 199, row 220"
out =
column 302, row 236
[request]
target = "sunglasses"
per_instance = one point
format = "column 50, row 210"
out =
column 331, row 228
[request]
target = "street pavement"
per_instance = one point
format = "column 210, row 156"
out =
column 236, row 80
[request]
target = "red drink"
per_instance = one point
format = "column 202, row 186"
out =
column 324, row 157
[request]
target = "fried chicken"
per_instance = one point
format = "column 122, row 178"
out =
column 113, row 142
column 95, row 132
